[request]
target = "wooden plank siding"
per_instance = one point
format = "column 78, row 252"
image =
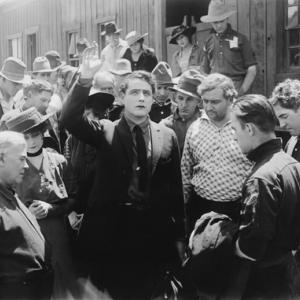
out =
column 53, row 19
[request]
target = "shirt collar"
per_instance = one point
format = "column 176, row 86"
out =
column 144, row 125
column 265, row 149
column 8, row 191
column 205, row 117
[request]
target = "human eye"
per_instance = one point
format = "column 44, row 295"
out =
column 147, row 93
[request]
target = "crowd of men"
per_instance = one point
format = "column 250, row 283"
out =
column 180, row 186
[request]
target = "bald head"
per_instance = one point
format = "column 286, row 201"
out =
column 104, row 82
column 12, row 158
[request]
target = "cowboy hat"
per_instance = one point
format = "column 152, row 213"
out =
column 182, row 29
column 13, row 69
column 217, row 12
column 25, row 120
column 41, row 65
column 133, row 37
column 123, row 67
column 162, row 74
column 188, row 83
column 111, row 28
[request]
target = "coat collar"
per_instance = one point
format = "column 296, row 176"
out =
column 157, row 143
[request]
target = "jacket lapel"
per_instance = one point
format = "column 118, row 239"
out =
column 157, row 143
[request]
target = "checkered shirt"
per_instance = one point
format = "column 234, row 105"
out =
column 212, row 163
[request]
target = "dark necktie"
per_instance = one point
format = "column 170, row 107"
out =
column 141, row 158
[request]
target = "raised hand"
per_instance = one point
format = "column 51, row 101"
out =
column 91, row 63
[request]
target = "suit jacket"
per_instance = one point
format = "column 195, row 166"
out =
column 119, row 229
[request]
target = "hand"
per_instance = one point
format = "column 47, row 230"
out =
column 40, row 209
column 91, row 64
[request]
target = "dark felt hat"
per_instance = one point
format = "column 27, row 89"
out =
column 182, row 29
column 188, row 83
column 111, row 28
column 26, row 120
column 99, row 101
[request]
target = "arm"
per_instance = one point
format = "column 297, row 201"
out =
column 258, row 219
column 91, row 132
column 187, row 164
column 176, row 70
column 249, row 78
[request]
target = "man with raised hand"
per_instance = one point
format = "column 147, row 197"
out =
column 136, row 203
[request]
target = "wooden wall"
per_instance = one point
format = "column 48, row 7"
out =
column 52, row 19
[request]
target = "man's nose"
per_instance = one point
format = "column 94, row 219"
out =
column 26, row 165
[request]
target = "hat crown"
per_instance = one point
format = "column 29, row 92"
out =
column 13, row 69
column 216, row 9
column 111, row 28
column 189, row 81
column 162, row 73
column 41, row 64
column 25, row 120
column 122, row 67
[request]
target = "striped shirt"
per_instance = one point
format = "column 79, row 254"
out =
column 212, row 163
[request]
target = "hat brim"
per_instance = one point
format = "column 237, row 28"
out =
column 42, row 71
column 13, row 80
column 44, row 120
column 187, row 31
column 211, row 19
column 63, row 63
column 176, row 89
column 117, row 31
column 115, row 72
column 105, row 100
column 137, row 39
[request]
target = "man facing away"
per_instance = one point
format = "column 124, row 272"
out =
column 25, row 271
column 213, row 166
column 136, row 202
column 269, row 226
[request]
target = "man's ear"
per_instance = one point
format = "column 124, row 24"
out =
column 121, row 97
column 2, row 160
column 251, row 128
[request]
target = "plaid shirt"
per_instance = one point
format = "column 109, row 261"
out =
column 212, row 162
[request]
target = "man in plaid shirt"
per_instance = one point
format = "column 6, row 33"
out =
column 213, row 166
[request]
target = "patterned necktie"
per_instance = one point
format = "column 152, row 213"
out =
column 141, row 158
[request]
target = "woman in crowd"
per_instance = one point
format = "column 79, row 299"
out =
column 140, row 57
column 188, row 55
column 47, row 190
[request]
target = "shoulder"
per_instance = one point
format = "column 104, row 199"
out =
column 167, row 132
column 168, row 121
column 149, row 52
column 56, row 157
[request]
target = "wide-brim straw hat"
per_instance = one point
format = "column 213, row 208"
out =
column 133, row 37
column 41, row 65
column 111, row 28
column 26, row 120
column 217, row 12
column 13, row 69
column 182, row 29
column 188, row 83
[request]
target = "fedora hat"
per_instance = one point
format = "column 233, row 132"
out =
column 111, row 28
column 13, row 69
column 41, row 65
column 188, row 83
column 182, row 29
column 54, row 59
column 162, row 74
column 99, row 101
column 217, row 11
column 133, row 37
column 123, row 67
column 25, row 120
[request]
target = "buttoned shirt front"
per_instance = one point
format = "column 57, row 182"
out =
column 212, row 162
column 229, row 53
column 23, row 248
column 110, row 55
